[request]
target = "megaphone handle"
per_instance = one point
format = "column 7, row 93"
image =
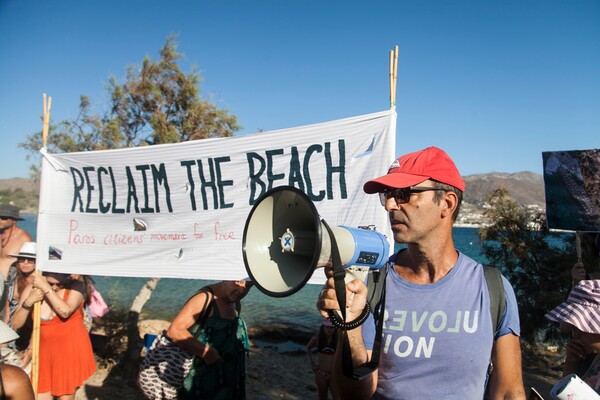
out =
column 354, row 272
column 339, row 274
column 351, row 273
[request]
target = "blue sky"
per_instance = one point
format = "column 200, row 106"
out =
column 494, row 83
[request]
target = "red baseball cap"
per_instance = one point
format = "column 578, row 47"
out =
column 414, row 168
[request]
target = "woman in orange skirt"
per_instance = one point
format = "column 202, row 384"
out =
column 66, row 359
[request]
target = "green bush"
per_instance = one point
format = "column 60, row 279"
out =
column 25, row 200
column 535, row 260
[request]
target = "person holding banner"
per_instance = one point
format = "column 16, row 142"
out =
column 11, row 239
column 20, row 275
column 66, row 358
column 438, row 337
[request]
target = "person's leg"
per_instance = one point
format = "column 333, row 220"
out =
column 322, row 385
column 44, row 396
column 67, row 397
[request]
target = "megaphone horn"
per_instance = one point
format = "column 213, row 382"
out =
column 285, row 241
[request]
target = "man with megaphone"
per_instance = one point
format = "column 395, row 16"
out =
column 436, row 338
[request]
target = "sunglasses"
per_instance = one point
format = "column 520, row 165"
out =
column 26, row 260
column 402, row 195
column 56, row 284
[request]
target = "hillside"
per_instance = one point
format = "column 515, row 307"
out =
column 20, row 192
column 17, row 183
column 527, row 188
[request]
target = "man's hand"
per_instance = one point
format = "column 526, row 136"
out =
column 356, row 297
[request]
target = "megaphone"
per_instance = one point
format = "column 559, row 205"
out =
column 285, row 241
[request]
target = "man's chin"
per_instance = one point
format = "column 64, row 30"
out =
column 399, row 238
column 399, row 232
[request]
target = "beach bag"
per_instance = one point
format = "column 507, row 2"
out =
column 98, row 307
column 166, row 365
column 164, row 369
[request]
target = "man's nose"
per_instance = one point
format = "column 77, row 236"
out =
column 390, row 204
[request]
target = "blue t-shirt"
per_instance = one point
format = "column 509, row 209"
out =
column 437, row 338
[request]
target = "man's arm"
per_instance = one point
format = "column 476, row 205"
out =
column 348, row 388
column 356, row 297
column 506, row 381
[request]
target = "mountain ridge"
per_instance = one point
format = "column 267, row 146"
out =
column 526, row 188
column 26, row 184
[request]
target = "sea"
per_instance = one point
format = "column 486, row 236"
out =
column 298, row 310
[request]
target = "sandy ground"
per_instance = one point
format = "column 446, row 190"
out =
column 277, row 369
column 270, row 375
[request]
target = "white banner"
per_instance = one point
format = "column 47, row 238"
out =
column 179, row 210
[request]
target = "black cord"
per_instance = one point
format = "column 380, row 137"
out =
column 348, row 326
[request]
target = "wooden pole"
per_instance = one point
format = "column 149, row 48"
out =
column 46, row 120
column 395, row 71
column 392, row 100
column 35, row 347
column 35, row 335
column 393, row 75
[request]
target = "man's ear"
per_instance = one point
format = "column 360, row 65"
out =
column 449, row 203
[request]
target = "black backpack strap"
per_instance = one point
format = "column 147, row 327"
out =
column 493, row 278
column 375, row 280
column 206, row 309
column 495, row 285
column 376, row 283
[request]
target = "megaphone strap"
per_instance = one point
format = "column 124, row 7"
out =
column 340, row 293
column 362, row 371
column 338, row 271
